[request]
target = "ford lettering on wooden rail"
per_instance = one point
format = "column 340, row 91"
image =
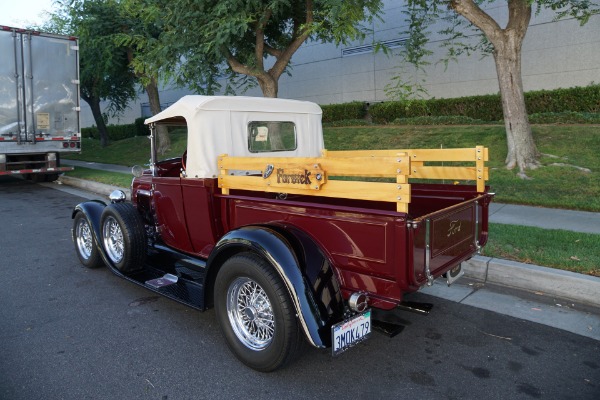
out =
column 287, row 176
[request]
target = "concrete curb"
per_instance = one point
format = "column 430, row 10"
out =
column 554, row 282
column 91, row 186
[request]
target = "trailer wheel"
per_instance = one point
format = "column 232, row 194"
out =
column 38, row 178
column 123, row 236
column 51, row 177
column 255, row 313
column 85, row 245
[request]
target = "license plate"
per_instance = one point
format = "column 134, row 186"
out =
column 350, row 332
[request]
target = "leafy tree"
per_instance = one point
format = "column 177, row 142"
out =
column 251, row 42
column 140, row 33
column 105, row 74
column 504, row 42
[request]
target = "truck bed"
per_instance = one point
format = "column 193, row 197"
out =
column 375, row 248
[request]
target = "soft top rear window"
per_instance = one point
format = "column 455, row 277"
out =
column 269, row 136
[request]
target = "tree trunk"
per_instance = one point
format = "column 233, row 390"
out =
column 162, row 133
column 507, row 43
column 94, row 103
column 268, row 85
column 275, row 135
column 522, row 152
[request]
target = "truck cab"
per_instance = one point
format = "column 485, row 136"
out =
column 179, row 192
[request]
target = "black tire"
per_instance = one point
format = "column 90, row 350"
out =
column 38, row 178
column 123, row 237
column 265, row 335
column 51, row 177
column 85, row 245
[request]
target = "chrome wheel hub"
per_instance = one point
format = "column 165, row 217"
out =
column 83, row 238
column 250, row 313
column 113, row 240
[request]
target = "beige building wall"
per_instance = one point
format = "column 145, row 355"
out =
column 556, row 54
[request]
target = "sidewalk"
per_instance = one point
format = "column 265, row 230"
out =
column 547, row 218
column 532, row 278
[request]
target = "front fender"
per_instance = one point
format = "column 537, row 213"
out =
column 276, row 249
column 92, row 210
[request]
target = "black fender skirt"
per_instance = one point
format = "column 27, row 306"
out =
column 282, row 254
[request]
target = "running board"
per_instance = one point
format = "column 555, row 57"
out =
column 173, row 280
column 390, row 330
column 388, row 322
column 165, row 280
column 414, row 307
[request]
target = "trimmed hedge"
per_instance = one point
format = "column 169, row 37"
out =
column 340, row 112
column 577, row 99
column 572, row 105
column 489, row 108
column 485, row 108
column 119, row 132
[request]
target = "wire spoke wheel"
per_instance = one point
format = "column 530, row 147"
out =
column 123, row 237
column 250, row 313
column 83, row 238
column 255, row 313
column 85, row 243
column 113, row 239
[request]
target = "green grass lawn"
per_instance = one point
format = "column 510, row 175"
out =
column 107, row 177
column 571, row 251
column 128, row 152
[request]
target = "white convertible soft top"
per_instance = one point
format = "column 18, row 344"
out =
column 219, row 125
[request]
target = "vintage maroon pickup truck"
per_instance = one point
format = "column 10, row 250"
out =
column 289, row 243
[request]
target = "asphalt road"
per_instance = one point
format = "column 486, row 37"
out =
column 67, row 332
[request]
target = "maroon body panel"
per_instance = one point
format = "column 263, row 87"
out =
column 372, row 247
column 170, row 215
column 364, row 246
column 203, row 216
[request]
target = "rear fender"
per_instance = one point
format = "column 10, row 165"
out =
column 318, row 271
column 281, row 253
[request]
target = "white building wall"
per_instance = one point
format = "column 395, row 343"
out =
column 556, row 54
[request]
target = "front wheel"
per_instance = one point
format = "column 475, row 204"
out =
column 123, row 236
column 255, row 313
column 85, row 245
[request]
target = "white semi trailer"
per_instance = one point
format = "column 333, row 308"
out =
column 39, row 102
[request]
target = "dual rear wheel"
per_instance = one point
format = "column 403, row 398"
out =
column 122, row 235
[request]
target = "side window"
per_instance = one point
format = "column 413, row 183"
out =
column 266, row 136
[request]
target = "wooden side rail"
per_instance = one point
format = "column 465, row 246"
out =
column 310, row 176
column 478, row 172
